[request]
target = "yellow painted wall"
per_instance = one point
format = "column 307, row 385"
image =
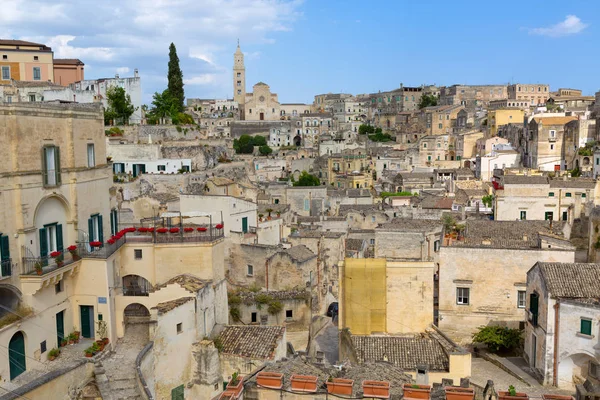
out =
column 497, row 118
column 364, row 295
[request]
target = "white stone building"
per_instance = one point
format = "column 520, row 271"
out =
column 561, row 335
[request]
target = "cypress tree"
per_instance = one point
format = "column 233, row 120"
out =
column 175, row 77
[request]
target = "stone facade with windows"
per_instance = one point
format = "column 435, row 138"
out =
column 561, row 334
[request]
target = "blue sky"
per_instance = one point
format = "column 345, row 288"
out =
column 302, row 48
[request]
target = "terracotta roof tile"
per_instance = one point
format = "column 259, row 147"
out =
column 170, row 305
column 251, row 341
column 572, row 280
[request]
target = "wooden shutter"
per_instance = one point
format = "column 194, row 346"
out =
column 116, row 213
column 4, row 248
column 91, row 230
column 112, row 222
column 43, row 243
column 44, row 167
column 59, row 238
column 57, row 167
column 100, row 229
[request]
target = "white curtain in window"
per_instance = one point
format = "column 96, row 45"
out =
column 51, row 165
column 91, row 160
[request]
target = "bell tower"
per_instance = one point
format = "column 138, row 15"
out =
column 239, row 80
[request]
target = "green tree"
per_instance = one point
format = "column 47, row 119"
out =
column 487, row 200
column 307, row 179
column 259, row 140
column 162, row 105
column 498, row 338
column 428, row 100
column 119, row 106
column 265, row 150
column 365, row 129
column 175, row 78
column 243, row 145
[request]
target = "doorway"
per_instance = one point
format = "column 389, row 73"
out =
column 533, row 350
column 138, row 169
column 60, row 328
column 262, row 116
column 245, row 224
column 16, row 355
column 87, row 321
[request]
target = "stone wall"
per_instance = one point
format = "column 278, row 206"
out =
column 239, row 128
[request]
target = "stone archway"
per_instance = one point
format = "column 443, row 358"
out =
column 573, row 369
column 16, row 355
column 10, row 297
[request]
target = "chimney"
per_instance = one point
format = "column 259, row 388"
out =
column 136, row 73
column 116, row 76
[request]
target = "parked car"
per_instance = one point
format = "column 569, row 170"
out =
column 332, row 310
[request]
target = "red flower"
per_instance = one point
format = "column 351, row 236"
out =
column 110, row 241
column 162, row 230
column 118, row 236
column 95, row 243
column 174, row 230
column 55, row 254
column 150, row 229
column 202, row 229
column 142, row 229
column 132, row 229
column 72, row 247
column 188, row 229
column 219, row 226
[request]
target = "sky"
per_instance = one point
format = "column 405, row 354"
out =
column 306, row 47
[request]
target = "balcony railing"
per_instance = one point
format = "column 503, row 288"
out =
column 47, row 264
column 198, row 234
column 5, row 268
column 533, row 318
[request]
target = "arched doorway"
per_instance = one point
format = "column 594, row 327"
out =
column 137, row 321
column 298, row 140
column 135, row 285
column 573, row 369
column 10, row 297
column 16, row 355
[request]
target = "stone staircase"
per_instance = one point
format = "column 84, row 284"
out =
column 116, row 375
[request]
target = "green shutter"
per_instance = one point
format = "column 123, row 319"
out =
column 59, row 238
column 112, row 222
column 100, row 229
column 116, row 221
column 43, row 243
column 586, row 327
column 4, row 248
column 44, row 167
column 57, row 167
column 91, row 229
column 177, row 393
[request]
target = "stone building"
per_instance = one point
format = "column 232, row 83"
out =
column 25, row 61
column 440, row 120
column 421, row 240
column 533, row 94
column 563, row 304
column 471, row 96
column 546, row 142
column 482, row 274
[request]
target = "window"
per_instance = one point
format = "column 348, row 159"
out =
column 4, row 57
column 533, row 308
column 58, row 287
column 239, row 74
column 289, row 314
column 51, row 165
column 586, row 327
column 179, row 328
column 424, row 145
column 9, row 100
column 137, row 254
column 5, row 73
column 372, row 242
column 43, row 347
column 583, row 195
column 552, row 133
column 462, row 296
column 568, row 194
column 373, row 218
column 160, row 168
column 32, row 98
column 91, row 156
column 551, row 194
column 306, row 204
column 37, row 74
column 549, row 216
column 51, row 239
column 523, row 215
column 114, row 222
column 250, row 270
column 254, row 317
column 521, row 298
column 440, row 126
column 36, row 58
column 95, row 228
column 551, row 147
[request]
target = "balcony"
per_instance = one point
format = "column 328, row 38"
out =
column 5, row 268
column 552, row 138
column 533, row 318
column 184, row 234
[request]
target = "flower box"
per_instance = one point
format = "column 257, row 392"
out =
column 96, row 244
column 556, row 397
column 142, row 230
column 459, row 393
column 174, row 230
column 340, row 386
column 130, row 230
column 236, row 387
column 219, row 226
column 505, row 395
column 202, row 229
column 110, row 241
column 377, row 389
column 162, row 230
column 72, row 248
column 55, row 254
column 150, row 230
column 304, row 383
column 188, row 229
column 272, row 380
column 416, row 391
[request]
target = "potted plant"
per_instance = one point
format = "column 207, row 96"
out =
column 278, row 214
column 52, row 354
column 219, row 226
column 72, row 338
column 304, row 383
column 377, row 389
column 416, row 391
column 102, row 332
column 260, row 217
column 174, row 230
column 96, row 243
column 272, row 380
column 459, row 393
column 202, row 229
column 89, row 352
column 162, row 230
column 38, row 267
column 100, row 344
column 340, row 386
column 236, row 384
column 76, row 334
column 188, row 229
column 73, row 250
column 63, row 343
column 269, row 210
column 512, row 394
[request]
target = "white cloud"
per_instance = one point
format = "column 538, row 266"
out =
column 137, row 33
column 570, row 26
column 122, row 70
